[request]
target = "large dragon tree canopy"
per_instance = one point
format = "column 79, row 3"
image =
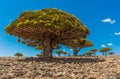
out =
column 47, row 27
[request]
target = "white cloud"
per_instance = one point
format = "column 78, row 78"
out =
column 109, row 20
column 106, row 20
column 109, row 44
column 103, row 45
column 117, row 33
column 113, row 21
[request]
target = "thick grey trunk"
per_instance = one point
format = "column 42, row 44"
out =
column 76, row 51
column 47, row 48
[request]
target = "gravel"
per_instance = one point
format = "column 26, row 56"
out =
column 81, row 68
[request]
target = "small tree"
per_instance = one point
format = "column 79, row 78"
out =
column 94, row 51
column 104, row 50
column 65, row 53
column 78, row 44
column 87, row 53
column 39, row 55
column 18, row 54
column 111, row 53
column 58, row 52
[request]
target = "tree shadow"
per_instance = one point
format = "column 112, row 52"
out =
column 64, row 60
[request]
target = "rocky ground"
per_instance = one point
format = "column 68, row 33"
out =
column 61, row 68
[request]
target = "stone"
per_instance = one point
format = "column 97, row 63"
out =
column 7, row 77
column 58, row 74
column 12, row 69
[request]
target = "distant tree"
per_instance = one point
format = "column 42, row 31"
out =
column 104, row 50
column 46, row 28
column 65, row 53
column 78, row 44
column 94, row 51
column 39, row 55
column 88, row 53
column 111, row 53
column 82, row 44
column 18, row 54
column 58, row 52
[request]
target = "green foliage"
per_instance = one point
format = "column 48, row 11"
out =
column 94, row 50
column 45, row 29
column 39, row 55
column 59, row 52
column 111, row 53
column 18, row 54
column 79, row 44
column 53, row 19
column 65, row 53
column 39, row 47
column 104, row 50
column 89, row 53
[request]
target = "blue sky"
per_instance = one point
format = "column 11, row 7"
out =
column 102, row 17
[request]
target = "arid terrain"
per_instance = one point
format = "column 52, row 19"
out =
column 60, row 68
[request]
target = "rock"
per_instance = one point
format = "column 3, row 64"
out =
column 72, row 75
column 7, row 77
column 11, row 74
column 118, row 75
column 58, row 74
column 68, row 69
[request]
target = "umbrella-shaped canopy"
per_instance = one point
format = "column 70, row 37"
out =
column 47, row 27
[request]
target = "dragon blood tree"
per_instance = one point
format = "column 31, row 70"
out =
column 78, row 44
column 47, row 28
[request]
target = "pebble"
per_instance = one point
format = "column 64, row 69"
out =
column 13, row 69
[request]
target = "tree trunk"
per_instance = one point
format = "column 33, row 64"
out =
column 76, row 51
column 47, row 48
